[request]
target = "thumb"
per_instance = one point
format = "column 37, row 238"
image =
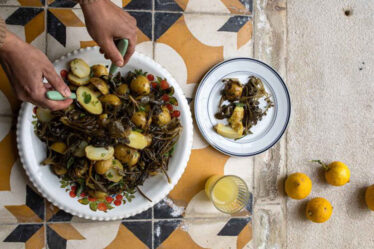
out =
column 111, row 51
column 57, row 83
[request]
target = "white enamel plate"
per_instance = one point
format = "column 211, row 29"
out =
column 267, row 131
column 32, row 151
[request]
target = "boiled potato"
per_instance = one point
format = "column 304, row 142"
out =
column 137, row 140
column 163, row 118
column 139, row 119
column 233, row 90
column 80, row 68
column 123, row 89
column 94, row 90
column 238, row 127
column 78, row 81
column 104, row 120
column 44, row 115
column 97, row 194
column 59, row 169
column 87, row 99
column 237, row 115
column 140, row 85
column 79, row 152
column 99, row 153
column 100, row 84
column 103, row 166
column 99, row 70
column 59, row 147
column 227, row 131
column 126, row 154
column 112, row 174
column 110, row 99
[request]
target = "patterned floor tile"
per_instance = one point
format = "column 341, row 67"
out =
column 72, row 4
column 65, row 25
column 31, row 3
column 243, row 7
column 147, row 214
column 170, row 5
column 167, row 209
column 137, row 4
column 22, row 236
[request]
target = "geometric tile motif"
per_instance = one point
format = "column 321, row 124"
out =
column 31, row 235
column 163, row 210
column 138, row 4
column 144, row 22
column 163, row 229
column 147, row 214
column 163, row 21
column 59, row 233
column 170, row 5
column 142, row 230
column 234, row 226
column 62, row 3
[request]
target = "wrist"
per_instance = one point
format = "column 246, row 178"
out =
column 11, row 43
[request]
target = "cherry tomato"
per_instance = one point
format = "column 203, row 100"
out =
column 83, row 194
column 117, row 202
column 72, row 194
column 170, row 107
column 150, row 77
column 91, row 198
column 164, row 85
column 165, row 97
column 73, row 188
column 109, row 199
column 176, row 113
column 63, row 73
column 34, row 110
column 154, row 84
column 119, row 197
column 102, row 206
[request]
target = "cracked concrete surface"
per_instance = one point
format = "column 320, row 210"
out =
column 330, row 75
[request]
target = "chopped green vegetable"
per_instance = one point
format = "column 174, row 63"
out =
column 86, row 97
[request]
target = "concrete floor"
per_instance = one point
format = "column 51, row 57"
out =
column 330, row 75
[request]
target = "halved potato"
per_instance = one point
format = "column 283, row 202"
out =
column 78, row 81
column 44, row 115
column 80, row 68
column 112, row 174
column 237, row 115
column 59, row 147
column 110, row 99
column 100, row 84
column 99, row 153
column 99, row 70
column 138, row 140
column 94, row 90
column 126, row 155
column 88, row 100
column 101, row 167
column 227, row 131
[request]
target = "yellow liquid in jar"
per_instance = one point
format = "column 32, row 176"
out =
column 224, row 192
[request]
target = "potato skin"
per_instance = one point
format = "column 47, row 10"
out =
column 80, row 68
column 139, row 119
column 110, row 99
column 99, row 70
column 123, row 89
column 140, row 85
column 233, row 90
column 126, row 155
column 101, row 167
column 163, row 118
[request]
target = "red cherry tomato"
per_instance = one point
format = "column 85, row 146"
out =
column 102, row 206
column 119, row 197
column 72, row 194
column 34, row 110
column 176, row 113
column 150, row 77
column 91, row 199
column 164, row 85
column 109, row 199
column 73, row 188
column 63, row 73
column 170, row 107
column 154, row 84
column 83, row 194
column 117, row 202
column 165, row 97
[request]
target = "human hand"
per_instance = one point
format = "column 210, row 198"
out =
column 25, row 67
column 105, row 23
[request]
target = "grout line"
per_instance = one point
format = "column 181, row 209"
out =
column 153, row 31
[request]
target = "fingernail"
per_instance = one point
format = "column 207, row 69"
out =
column 119, row 63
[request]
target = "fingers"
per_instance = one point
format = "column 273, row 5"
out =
column 56, row 82
column 111, row 52
column 38, row 97
column 130, row 51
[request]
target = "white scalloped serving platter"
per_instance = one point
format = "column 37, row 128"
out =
column 32, row 151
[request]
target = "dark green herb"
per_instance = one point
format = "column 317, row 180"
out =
column 70, row 162
column 86, row 97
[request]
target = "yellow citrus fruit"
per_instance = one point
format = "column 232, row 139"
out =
column 298, row 186
column 369, row 197
column 318, row 210
column 337, row 173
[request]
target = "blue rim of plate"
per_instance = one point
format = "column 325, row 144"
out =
column 202, row 82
